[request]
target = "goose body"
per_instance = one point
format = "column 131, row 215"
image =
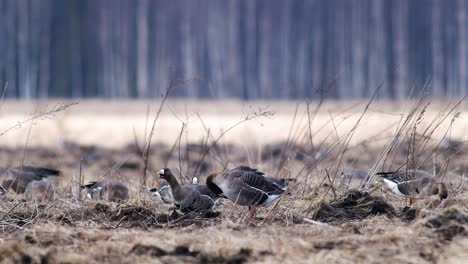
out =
column 246, row 186
column 40, row 191
column 109, row 190
column 18, row 178
column 2, row 192
column 413, row 183
column 163, row 192
column 192, row 197
column 203, row 190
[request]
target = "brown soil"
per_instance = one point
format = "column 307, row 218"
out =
column 317, row 221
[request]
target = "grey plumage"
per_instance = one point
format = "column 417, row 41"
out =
column 40, row 191
column 413, row 183
column 246, row 186
column 187, row 197
column 203, row 190
column 109, row 190
column 18, row 178
column 281, row 182
column 2, row 192
column 163, row 192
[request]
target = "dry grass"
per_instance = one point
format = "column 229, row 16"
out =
column 305, row 142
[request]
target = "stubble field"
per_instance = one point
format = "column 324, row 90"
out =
column 323, row 218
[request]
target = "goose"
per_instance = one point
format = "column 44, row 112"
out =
column 40, row 191
column 414, row 184
column 202, row 189
column 2, row 192
column 109, row 190
column 18, row 178
column 163, row 192
column 187, row 197
column 247, row 187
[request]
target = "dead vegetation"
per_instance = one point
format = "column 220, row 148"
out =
column 448, row 223
column 317, row 220
column 353, row 205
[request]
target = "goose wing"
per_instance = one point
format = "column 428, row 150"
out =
column 18, row 178
column 256, row 180
column 420, row 186
column 192, row 200
column 253, row 187
column 393, row 176
column 203, row 190
column 164, row 193
column 90, row 184
column 410, row 183
column 202, row 203
column 281, row 182
column 406, row 176
column 38, row 171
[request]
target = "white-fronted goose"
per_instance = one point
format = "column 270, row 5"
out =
column 414, row 184
column 109, row 190
column 246, row 186
column 2, row 192
column 18, row 178
column 163, row 192
column 187, row 197
column 40, row 191
column 202, row 189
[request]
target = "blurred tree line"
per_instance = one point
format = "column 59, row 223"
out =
column 233, row 48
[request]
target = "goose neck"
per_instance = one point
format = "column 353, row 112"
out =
column 173, row 182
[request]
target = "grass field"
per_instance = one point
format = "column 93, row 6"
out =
column 321, row 220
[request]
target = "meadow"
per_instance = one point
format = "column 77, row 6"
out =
column 323, row 218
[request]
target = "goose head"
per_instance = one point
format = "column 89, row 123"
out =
column 435, row 189
column 443, row 191
column 165, row 173
column 440, row 189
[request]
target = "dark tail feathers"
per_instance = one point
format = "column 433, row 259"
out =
column 43, row 172
column 88, row 185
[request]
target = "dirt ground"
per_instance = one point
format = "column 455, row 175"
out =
column 323, row 218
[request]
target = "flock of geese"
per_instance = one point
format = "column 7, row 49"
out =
column 242, row 185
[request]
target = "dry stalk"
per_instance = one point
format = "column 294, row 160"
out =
column 3, row 95
column 147, row 145
column 250, row 116
column 41, row 115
